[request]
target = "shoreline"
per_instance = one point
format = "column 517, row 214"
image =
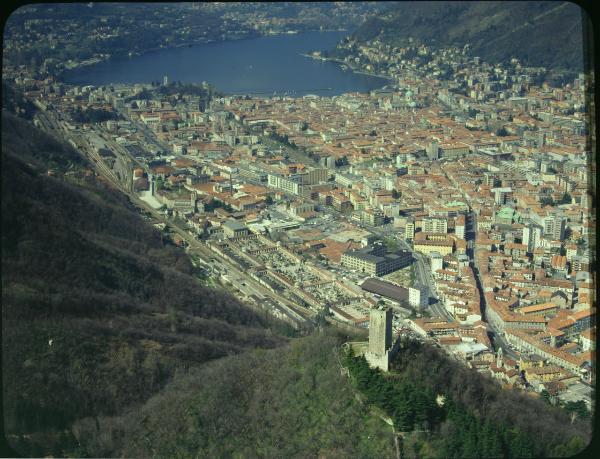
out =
column 340, row 64
column 350, row 67
column 184, row 45
column 149, row 50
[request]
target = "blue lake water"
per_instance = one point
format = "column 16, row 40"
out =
column 252, row 66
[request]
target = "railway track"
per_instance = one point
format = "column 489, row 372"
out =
column 301, row 313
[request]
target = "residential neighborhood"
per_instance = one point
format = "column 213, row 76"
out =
column 458, row 195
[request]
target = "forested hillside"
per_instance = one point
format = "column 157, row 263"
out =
column 291, row 402
column 540, row 33
column 108, row 338
column 98, row 313
column 449, row 411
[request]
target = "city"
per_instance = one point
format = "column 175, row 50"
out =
column 457, row 196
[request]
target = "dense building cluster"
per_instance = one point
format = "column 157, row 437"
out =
column 464, row 183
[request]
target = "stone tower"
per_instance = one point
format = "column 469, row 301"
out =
column 380, row 331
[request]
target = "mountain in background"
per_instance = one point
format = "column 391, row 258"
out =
column 540, row 34
column 137, row 28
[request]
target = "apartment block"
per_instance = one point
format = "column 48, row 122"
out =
column 435, row 225
column 373, row 260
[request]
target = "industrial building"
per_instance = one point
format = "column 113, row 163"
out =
column 233, row 228
column 374, row 261
column 428, row 245
column 386, row 289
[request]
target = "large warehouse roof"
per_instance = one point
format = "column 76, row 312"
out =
column 386, row 289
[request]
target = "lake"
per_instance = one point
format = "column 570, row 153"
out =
column 251, row 66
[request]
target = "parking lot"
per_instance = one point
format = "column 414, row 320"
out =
column 578, row 391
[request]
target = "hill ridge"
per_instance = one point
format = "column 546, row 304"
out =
column 545, row 34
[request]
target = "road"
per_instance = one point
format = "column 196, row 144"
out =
column 496, row 336
column 422, row 269
column 296, row 155
column 297, row 313
column 238, row 276
column 149, row 136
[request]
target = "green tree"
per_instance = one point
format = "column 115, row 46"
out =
column 579, row 408
column 566, row 199
column 470, row 440
column 570, row 448
column 321, row 316
column 545, row 395
column 404, row 416
column 343, row 161
column 491, row 441
column 391, row 244
column 520, row 445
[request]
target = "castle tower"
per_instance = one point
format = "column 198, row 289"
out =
column 499, row 361
column 380, row 331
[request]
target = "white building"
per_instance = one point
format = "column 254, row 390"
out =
column 532, row 237
column 417, row 297
column 435, row 225
column 286, row 184
column 437, row 261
